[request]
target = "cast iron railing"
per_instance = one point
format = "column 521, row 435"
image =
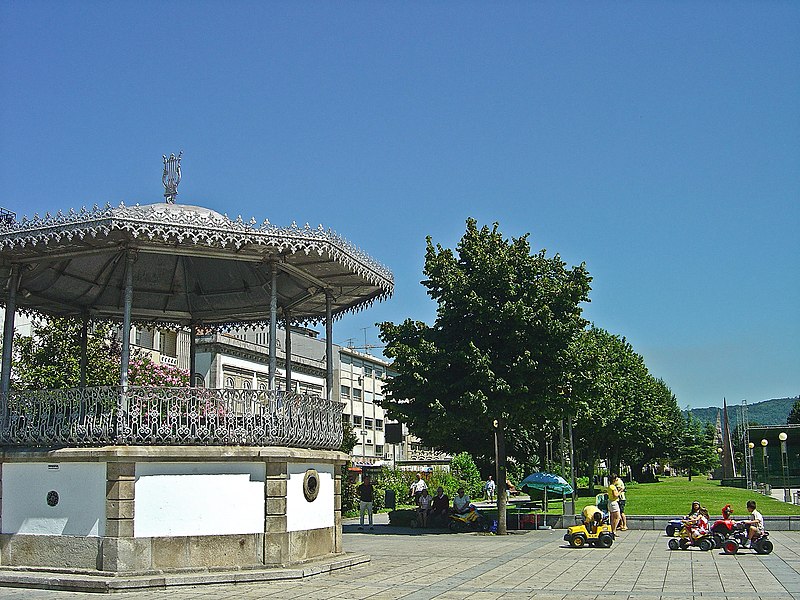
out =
column 147, row 416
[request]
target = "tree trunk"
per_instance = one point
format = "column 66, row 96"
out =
column 592, row 462
column 500, row 457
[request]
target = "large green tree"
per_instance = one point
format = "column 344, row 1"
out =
column 50, row 357
column 497, row 349
column 696, row 452
column 622, row 413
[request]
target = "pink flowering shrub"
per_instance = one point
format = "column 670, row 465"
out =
column 144, row 372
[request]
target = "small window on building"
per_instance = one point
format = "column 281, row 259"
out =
column 229, row 383
column 367, row 423
column 367, row 369
column 144, row 338
column 356, row 393
column 378, row 450
column 169, row 343
column 379, row 424
column 346, row 419
column 247, row 385
column 345, row 392
column 357, row 420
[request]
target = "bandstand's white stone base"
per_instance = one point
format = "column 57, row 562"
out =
column 144, row 509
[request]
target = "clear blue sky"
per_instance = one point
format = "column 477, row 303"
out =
column 657, row 142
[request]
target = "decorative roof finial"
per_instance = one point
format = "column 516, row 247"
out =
column 172, row 176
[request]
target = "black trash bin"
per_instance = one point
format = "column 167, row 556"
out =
column 390, row 501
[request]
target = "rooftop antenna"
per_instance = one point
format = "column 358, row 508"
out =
column 172, row 176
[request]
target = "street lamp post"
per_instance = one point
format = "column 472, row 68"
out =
column 787, row 493
column 764, row 443
column 751, row 480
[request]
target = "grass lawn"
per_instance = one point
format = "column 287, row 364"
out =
column 674, row 496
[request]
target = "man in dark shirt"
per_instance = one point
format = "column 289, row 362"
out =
column 440, row 507
column 366, row 493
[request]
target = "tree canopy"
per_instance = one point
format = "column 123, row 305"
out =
column 498, row 348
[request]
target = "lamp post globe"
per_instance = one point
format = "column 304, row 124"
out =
column 787, row 492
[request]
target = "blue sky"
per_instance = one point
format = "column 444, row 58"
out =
column 657, row 142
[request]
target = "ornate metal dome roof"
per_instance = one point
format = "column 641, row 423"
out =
column 193, row 265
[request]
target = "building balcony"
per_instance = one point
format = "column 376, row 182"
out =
column 148, row 416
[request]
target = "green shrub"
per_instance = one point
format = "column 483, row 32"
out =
column 463, row 468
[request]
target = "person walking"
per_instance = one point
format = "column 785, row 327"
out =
column 366, row 494
column 489, row 487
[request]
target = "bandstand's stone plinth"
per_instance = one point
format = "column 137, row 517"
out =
column 141, row 509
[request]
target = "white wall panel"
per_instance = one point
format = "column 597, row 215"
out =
column 302, row 514
column 81, row 507
column 177, row 499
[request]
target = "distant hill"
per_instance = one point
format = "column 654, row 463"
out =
column 768, row 412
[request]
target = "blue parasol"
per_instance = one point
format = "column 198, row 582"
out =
column 546, row 481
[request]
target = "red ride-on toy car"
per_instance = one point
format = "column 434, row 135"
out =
column 692, row 533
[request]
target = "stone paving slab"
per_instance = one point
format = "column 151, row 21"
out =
column 420, row 565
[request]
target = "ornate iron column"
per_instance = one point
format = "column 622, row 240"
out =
column 273, row 325
column 288, row 353
column 84, row 344
column 8, row 329
column 328, row 345
column 126, row 320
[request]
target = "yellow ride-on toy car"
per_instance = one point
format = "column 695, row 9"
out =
column 594, row 530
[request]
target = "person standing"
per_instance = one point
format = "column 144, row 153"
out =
column 489, row 487
column 623, row 521
column 366, row 494
column 613, row 505
column 417, row 487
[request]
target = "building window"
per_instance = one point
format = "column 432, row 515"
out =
column 367, row 423
column 247, row 385
column 144, row 338
column 357, row 420
column 345, row 392
column 378, row 450
column 368, row 396
column 379, row 424
column 346, row 418
column 169, row 343
column 357, row 393
column 229, row 384
column 367, row 369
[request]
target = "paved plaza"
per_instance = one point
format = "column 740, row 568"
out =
column 416, row 565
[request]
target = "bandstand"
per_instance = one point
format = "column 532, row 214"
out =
column 130, row 479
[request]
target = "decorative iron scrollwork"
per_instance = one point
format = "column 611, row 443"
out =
column 172, row 416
